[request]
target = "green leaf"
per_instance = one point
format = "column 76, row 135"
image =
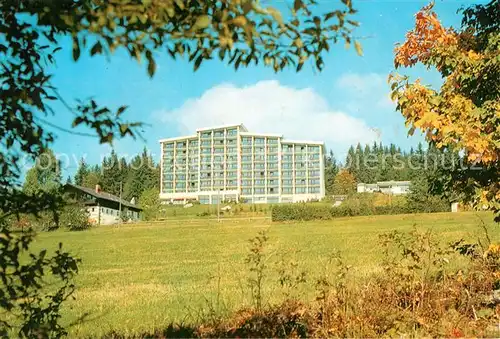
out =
column 238, row 61
column 300, row 65
column 358, row 47
column 240, row 21
column 298, row 42
column 96, row 49
column 151, row 66
column 319, row 63
column 354, row 23
column 297, row 5
column 330, row 15
column 121, row 110
column 180, row 3
column 198, row 62
column 202, row 22
column 222, row 53
column 76, row 48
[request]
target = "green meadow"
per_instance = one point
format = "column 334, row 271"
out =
column 136, row 278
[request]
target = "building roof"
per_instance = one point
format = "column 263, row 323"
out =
column 244, row 132
column 186, row 137
column 393, row 182
column 242, row 127
column 308, row 142
column 103, row 195
column 252, row 134
column 367, row 185
column 386, row 183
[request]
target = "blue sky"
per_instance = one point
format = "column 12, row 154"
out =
column 346, row 103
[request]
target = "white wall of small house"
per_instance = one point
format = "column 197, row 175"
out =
column 108, row 216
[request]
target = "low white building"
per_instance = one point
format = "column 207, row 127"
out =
column 387, row 187
column 103, row 208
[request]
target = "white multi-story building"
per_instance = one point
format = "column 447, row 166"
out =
column 229, row 163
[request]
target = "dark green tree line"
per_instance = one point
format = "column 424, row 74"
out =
column 135, row 176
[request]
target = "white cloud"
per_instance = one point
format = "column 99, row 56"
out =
column 269, row 107
column 370, row 89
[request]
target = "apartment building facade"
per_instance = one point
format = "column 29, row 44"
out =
column 229, row 163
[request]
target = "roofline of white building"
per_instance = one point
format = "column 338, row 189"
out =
column 287, row 141
column 253, row 134
column 390, row 182
column 393, row 182
column 245, row 132
column 178, row 138
column 222, row 127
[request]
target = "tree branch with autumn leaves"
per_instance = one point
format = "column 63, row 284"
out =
column 464, row 113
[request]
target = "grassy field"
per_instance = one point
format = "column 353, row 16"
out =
column 136, row 278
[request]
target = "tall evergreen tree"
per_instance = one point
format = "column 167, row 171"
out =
column 331, row 170
column 352, row 162
column 143, row 175
column 366, row 167
column 81, row 172
column 111, row 174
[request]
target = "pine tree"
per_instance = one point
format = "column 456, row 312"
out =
column 359, row 171
column 366, row 174
column 331, row 170
column 81, row 173
column 143, row 175
column 111, row 174
column 351, row 162
column 92, row 179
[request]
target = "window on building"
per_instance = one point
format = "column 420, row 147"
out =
column 246, row 174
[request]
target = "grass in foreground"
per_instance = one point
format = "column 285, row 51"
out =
column 138, row 278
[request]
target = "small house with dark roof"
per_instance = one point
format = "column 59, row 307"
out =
column 103, row 208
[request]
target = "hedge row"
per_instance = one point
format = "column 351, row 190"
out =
column 306, row 212
column 302, row 212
